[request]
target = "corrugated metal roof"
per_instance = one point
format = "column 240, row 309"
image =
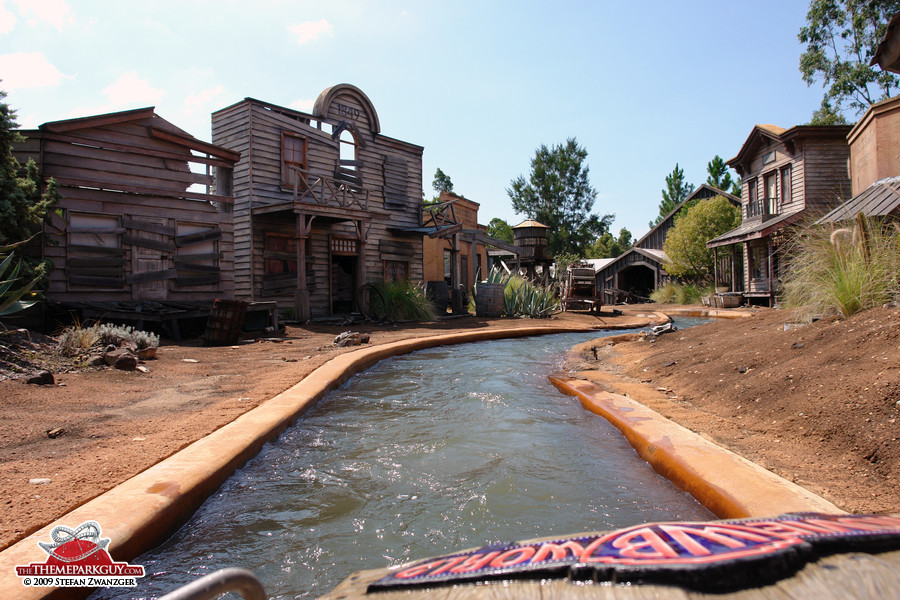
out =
column 750, row 231
column 880, row 199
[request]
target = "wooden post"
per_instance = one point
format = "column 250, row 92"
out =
column 473, row 261
column 771, row 268
column 361, row 234
column 301, row 298
column 455, row 296
column 715, row 269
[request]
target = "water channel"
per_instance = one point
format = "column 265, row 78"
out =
column 427, row 453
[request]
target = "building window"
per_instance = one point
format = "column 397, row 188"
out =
column 293, row 157
column 771, row 190
column 344, row 246
column 280, row 254
column 396, row 270
column 752, row 206
column 786, row 186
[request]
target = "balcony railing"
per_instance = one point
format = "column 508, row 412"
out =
column 764, row 208
column 327, row 191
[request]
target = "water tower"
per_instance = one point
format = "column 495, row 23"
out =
column 531, row 237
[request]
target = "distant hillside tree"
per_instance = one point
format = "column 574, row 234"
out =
column 675, row 192
column 558, row 194
column 500, row 229
column 720, row 177
column 841, row 37
column 685, row 245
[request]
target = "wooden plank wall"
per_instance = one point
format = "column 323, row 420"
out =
column 96, row 168
column 254, row 129
column 828, row 180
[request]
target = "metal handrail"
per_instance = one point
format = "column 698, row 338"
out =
column 242, row 581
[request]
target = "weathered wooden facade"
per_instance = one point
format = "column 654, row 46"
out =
column 324, row 203
column 639, row 271
column 789, row 176
column 145, row 215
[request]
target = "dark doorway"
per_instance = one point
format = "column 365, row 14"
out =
column 637, row 279
column 343, row 284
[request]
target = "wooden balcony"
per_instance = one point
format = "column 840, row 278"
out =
column 328, row 191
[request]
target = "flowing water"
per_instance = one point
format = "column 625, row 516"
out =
column 424, row 454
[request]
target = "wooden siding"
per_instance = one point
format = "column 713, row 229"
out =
column 828, row 181
column 131, row 227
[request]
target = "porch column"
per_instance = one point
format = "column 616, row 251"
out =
column 771, row 270
column 301, row 297
column 473, row 261
column 715, row 268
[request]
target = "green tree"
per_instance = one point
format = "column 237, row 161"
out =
column 841, row 37
column 500, row 229
column 23, row 206
column 685, row 244
column 675, row 192
column 827, row 115
column 558, row 194
column 719, row 176
column 608, row 246
column 440, row 183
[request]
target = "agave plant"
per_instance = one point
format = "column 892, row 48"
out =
column 10, row 299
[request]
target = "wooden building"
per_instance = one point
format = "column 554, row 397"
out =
column 458, row 233
column 639, row 270
column 790, row 176
column 145, row 216
column 324, row 202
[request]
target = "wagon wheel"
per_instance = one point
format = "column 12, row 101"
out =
column 371, row 304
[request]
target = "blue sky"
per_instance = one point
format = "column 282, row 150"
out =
column 480, row 84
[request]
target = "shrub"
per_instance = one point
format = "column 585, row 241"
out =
column 77, row 337
column 842, row 271
column 403, row 301
column 522, row 298
column 677, row 293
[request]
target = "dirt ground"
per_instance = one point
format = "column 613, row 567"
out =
column 817, row 404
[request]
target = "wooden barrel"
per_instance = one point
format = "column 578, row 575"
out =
column 225, row 321
column 489, row 299
column 438, row 292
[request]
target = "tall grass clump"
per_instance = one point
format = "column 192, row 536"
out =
column 677, row 293
column 403, row 301
column 842, row 271
column 78, row 337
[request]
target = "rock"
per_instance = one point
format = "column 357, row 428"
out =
column 55, row 432
column 797, row 345
column 122, row 359
column 96, row 360
column 41, row 378
column 39, row 481
column 742, row 369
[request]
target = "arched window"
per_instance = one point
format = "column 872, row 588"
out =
column 348, row 150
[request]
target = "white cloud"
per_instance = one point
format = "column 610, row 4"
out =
column 310, row 30
column 25, row 70
column 302, row 105
column 203, row 97
column 55, row 12
column 129, row 90
column 7, row 20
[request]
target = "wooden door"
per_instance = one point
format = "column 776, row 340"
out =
column 152, row 247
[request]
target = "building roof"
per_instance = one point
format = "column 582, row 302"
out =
column 704, row 190
column 157, row 128
column 530, row 223
column 880, row 199
column 887, row 54
column 787, row 137
column 753, row 231
column 657, row 256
